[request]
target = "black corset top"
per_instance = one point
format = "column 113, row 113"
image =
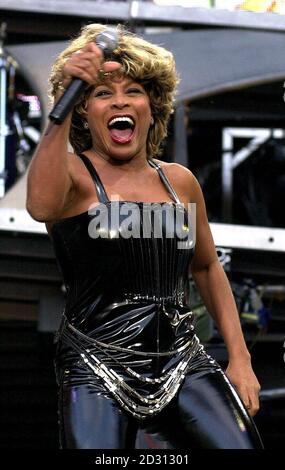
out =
column 123, row 256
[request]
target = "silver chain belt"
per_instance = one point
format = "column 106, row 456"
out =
column 140, row 406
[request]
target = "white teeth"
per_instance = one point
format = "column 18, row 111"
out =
column 121, row 119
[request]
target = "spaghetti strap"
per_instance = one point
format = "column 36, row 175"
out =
column 165, row 181
column 102, row 195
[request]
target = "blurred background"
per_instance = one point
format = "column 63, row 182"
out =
column 228, row 128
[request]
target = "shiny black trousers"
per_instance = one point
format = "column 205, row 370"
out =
column 206, row 413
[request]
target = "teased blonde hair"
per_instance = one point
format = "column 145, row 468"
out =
column 144, row 62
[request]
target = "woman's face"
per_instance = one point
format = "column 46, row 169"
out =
column 119, row 118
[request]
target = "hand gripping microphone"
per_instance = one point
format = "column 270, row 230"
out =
column 107, row 41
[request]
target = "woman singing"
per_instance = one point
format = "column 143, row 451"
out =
column 122, row 228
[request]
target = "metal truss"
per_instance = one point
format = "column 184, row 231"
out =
column 145, row 12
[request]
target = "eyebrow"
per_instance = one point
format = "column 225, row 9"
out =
column 110, row 84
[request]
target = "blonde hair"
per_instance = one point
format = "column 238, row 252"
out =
column 144, row 62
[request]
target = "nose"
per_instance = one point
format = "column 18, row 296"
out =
column 120, row 101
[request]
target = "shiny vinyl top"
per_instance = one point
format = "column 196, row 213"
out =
column 122, row 257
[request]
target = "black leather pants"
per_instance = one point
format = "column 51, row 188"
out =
column 205, row 414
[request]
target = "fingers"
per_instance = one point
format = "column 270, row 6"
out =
column 249, row 394
column 86, row 63
column 246, row 384
column 252, row 409
column 251, row 401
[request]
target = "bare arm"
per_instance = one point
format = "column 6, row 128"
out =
column 49, row 178
column 215, row 290
column 213, row 284
column 51, row 187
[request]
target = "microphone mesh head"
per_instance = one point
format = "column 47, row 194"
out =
column 107, row 41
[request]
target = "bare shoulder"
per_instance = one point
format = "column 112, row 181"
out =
column 75, row 168
column 175, row 169
column 181, row 178
column 76, row 172
column 73, row 161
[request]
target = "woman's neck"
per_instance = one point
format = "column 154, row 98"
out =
column 134, row 164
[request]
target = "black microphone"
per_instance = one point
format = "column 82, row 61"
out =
column 107, row 41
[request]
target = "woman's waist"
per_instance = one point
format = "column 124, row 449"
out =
column 96, row 302
column 99, row 298
column 136, row 342
column 138, row 325
column 75, row 348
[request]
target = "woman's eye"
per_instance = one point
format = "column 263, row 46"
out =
column 134, row 90
column 102, row 93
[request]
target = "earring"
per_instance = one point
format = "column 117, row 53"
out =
column 85, row 125
column 152, row 121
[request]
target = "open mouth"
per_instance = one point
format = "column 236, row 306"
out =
column 121, row 129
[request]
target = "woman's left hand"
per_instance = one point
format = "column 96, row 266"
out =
column 241, row 375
